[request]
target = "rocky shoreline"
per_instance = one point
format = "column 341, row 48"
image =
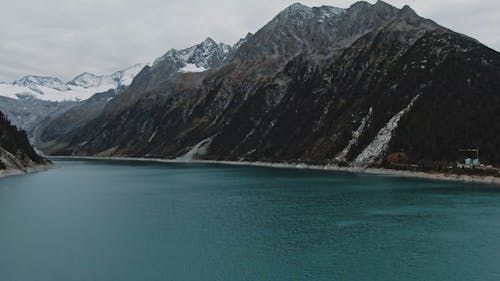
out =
column 376, row 171
column 29, row 170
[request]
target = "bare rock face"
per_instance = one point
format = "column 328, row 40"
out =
column 317, row 85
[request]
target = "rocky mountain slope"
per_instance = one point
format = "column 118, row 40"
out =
column 318, row 85
column 63, row 120
column 31, row 106
column 27, row 114
column 16, row 152
column 175, row 63
column 63, row 124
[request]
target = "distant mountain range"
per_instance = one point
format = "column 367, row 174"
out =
column 34, row 102
column 80, row 88
column 197, row 58
column 370, row 85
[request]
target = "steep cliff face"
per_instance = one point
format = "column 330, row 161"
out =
column 16, row 152
column 317, row 85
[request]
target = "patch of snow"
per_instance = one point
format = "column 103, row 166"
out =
column 86, row 80
column 126, row 76
column 49, row 94
column 381, row 142
column 329, row 12
column 206, row 55
column 199, row 149
column 190, row 67
column 152, row 136
column 225, row 48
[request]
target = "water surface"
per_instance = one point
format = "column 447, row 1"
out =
column 98, row 220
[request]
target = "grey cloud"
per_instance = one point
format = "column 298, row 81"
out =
column 67, row 37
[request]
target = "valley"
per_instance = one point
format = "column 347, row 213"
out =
column 370, row 86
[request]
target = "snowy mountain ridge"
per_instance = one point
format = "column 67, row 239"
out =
column 81, row 87
column 197, row 58
column 119, row 78
column 34, row 81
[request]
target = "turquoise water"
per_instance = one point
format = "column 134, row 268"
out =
column 92, row 220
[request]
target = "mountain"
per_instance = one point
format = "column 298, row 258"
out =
column 238, row 45
column 185, row 64
column 36, row 81
column 203, row 56
column 46, row 117
column 62, row 125
column 80, row 88
column 299, row 29
column 63, row 120
column 199, row 58
column 32, row 102
column 16, row 153
column 112, row 81
column 28, row 114
column 371, row 85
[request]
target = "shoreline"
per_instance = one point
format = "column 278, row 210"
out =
column 373, row 171
column 29, row 170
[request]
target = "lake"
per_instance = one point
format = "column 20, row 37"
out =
column 104, row 220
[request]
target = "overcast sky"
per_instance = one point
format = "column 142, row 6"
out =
column 64, row 38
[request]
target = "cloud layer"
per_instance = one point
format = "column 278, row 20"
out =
column 64, row 38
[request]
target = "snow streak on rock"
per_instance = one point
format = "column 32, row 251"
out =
column 198, row 149
column 380, row 143
column 355, row 136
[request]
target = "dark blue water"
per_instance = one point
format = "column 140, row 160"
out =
column 135, row 221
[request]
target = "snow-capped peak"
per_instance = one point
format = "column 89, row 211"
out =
column 32, row 81
column 297, row 9
column 190, row 68
column 125, row 77
column 208, row 42
column 81, row 87
column 115, row 80
column 200, row 57
column 298, row 14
